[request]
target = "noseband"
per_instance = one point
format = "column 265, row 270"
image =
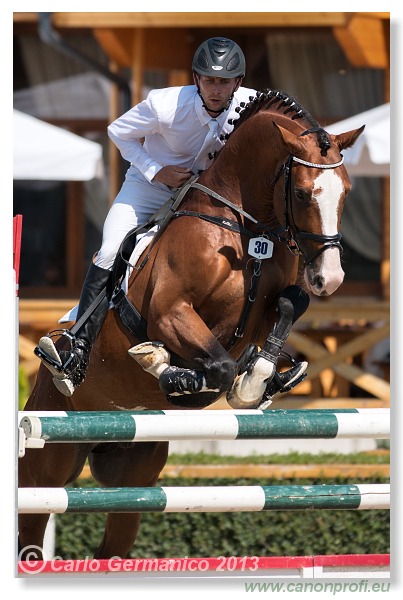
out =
column 296, row 234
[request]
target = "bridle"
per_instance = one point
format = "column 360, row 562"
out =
column 292, row 233
column 295, row 234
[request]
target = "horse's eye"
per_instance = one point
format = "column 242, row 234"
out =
column 301, row 195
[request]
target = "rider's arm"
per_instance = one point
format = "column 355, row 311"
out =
column 126, row 132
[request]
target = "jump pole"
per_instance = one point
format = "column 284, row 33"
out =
column 204, row 499
column 129, row 426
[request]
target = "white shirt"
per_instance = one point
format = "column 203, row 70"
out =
column 174, row 125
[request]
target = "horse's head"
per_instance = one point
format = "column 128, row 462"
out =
column 312, row 197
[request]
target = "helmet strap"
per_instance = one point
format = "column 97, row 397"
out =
column 217, row 112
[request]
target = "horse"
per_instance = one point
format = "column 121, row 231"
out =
column 216, row 294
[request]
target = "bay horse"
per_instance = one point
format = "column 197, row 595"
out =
column 218, row 281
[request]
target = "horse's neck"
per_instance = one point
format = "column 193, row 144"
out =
column 242, row 173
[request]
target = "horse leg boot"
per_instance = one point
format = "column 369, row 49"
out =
column 218, row 375
column 258, row 381
column 69, row 367
column 257, row 370
column 155, row 359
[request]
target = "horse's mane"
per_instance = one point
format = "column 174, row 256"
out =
column 281, row 102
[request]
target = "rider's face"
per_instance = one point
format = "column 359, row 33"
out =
column 216, row 91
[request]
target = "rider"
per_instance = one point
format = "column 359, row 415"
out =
column 175, row 124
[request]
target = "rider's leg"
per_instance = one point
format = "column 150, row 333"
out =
column 69, row 366
column 134, row 204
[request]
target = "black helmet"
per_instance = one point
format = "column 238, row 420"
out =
column 219, row 57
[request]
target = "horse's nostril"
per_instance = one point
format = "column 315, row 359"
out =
column 318, row 282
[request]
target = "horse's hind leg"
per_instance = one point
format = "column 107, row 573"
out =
column 138, row 465
column 31, row 531
column 55, row 465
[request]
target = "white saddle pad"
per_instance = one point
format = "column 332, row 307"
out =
column 143, row 241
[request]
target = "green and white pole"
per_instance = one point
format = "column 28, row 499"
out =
column 204, row 499
column 109, row 426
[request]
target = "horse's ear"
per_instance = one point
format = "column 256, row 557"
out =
column 346, row 140
column 293, row 143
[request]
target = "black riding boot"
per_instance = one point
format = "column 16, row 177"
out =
column 69, row 367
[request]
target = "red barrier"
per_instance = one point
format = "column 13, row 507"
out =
column 349, row 565
column 17, row 234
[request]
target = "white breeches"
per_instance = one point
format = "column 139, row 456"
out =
column 136, row 202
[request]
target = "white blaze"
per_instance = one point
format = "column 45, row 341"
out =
column 328, row 191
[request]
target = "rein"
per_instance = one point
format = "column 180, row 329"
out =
column 296, row 234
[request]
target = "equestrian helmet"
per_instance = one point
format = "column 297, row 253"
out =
column 219, row 57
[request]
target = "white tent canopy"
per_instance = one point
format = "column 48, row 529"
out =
column 45, row 152
column 370, row 155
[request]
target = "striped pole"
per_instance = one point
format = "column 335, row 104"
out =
column 129, row 426
column 204, row 499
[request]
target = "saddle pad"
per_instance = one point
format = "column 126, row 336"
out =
column 143, row 240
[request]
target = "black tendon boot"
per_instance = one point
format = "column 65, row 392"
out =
column 69, row 366
column 292, row 303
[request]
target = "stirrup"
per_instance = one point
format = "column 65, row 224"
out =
column 65, row 380
column 47, row 352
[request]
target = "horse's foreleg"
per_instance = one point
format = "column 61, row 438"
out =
column 252, row 384
column 156, row 360
column 185, row 333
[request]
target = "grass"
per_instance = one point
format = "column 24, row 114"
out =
column 293, row 458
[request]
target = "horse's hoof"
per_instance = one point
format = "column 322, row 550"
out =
column 152, row 357
column 65, row 386
column 249, row 388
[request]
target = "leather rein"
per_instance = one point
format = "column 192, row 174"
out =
column 294, row 234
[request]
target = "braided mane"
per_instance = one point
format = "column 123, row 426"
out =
column 284, row 103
